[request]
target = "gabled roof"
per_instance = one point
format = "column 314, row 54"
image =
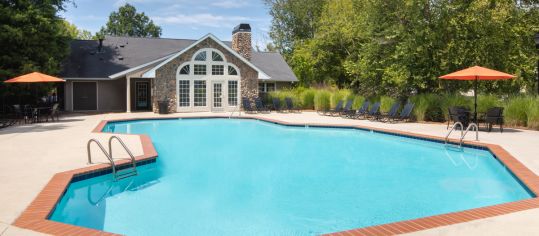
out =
column 126, row 53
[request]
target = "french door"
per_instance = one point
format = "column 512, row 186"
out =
column 217, row 96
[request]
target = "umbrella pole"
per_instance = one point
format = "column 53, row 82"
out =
column 475, row 101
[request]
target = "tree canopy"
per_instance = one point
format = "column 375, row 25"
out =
column 127, row 22
column 75, row 33
column 403, row 46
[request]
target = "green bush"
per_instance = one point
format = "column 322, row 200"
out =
column 307, row 98
column 533, row 113
column 340, row 95
column 358, row 101
column 322, row 100
column 422, row 104
column 484, row 102
column 451, row 100
column 386, row 103
column 515, row 111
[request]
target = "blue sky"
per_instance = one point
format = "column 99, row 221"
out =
column 186, row 19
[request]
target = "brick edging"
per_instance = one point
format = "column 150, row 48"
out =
column 36, row 215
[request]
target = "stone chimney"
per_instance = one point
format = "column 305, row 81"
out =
column 241, row 40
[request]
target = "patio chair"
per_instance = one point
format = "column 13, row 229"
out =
column 277, row 104
column 247, row 105
column 53, row 112
column 406, row 113
column 361, row 111
column 290, row 105
column 392, row 113
column 374, row 112
column 458, row 114
column 337, row 110
column 347, row 108
column 260, row 106
column 494, row 116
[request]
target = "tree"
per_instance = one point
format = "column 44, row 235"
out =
column 76, row 33
column 127, row 22
column 293, row 21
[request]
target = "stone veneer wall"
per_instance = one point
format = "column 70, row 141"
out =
column 241, row 43
column 164, row 85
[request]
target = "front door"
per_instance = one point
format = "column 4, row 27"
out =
column 217, row 95
column 142, row 95
column 85, row 96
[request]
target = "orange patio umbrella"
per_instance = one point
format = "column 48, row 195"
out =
column 477, row 73
column 34, row 77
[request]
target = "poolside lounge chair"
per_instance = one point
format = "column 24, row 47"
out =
column 361, row 111
column 347, row 108
column 290, row 105
column 53, row 112
column 458, row 114
column 337, row 110
column 276, row 104
column 247, row 105
column 392, row 113
column 374, row 112
column 494, row 116
column 260, row 106
column 405, row 113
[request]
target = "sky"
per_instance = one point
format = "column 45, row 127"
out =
column 183, row 19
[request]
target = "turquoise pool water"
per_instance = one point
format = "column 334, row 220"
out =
column 248, row 177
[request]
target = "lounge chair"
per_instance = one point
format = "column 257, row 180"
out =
column 347, row 108
column 494, row 116
column 290, row 105
column 277, row 104
column 337, row 110
column 405, row 113
column 361, row 111
column 458, row 114
column 53, row 112
column 392, row 113
column 247, row 105
column 374, row 112
column 260, row 106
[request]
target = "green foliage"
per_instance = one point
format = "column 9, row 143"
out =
column 386, row 103
column 322, row 100
column 516, row 110
column 307, row 98
column 397, row 47
column 358, row 101
column 128, row 22
column 533, row 113
column 340, row 95
column 76, row 33
column 485, row 102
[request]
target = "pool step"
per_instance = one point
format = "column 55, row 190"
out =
column 125, row 173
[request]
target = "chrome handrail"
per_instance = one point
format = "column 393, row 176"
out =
column 474, row 126
column 453, row 128
column 109, row 157
column 133, row 161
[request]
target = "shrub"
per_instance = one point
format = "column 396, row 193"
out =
column 515, row 111
column 322, row 100
column 533, row 113
column 484, row 102
column 307, row 98
column 340, row 95
column 450, row 100
column 358, row 101
column 422, row 104
column 386, row 103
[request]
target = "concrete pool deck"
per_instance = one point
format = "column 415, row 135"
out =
column 32, row 154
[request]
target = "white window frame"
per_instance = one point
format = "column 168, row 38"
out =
column 265, row 90
column 209, row 78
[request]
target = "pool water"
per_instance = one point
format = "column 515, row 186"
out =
column 249, row 177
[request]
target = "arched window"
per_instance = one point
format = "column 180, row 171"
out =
column 216, row 56
column 232, row 70
column 201, row 56
column 185, row 70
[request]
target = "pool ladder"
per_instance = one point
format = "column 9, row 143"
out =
column 471, row 126
column 117, row 174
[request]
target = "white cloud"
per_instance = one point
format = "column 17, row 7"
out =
column 230, row 4
column 202, row 19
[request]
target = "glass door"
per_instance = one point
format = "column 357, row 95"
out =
column 217, row 94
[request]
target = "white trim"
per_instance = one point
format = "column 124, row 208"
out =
column 96, row 95
column 261, row 74
column 148, row 95
column 125, row 72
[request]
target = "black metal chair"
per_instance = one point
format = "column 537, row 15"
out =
column 458, row 114
column 277, row 104
column 392, row 113
column 347, row 108
column 361, row 111
column 374, row 112
column 406, row 113
column 494, row 116
column 337, row 110
column 247, row 105
column 260, row 107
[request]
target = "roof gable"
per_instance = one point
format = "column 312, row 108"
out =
column 261, row 74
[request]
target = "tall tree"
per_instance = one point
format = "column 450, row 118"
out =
column 127, row 22
column 76, row 33
column 293, row 21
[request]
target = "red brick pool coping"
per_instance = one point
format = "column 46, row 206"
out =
column 36, row 215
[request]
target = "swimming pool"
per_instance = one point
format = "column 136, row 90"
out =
column 248, row 177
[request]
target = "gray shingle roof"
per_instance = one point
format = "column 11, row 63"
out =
column 122, row 53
